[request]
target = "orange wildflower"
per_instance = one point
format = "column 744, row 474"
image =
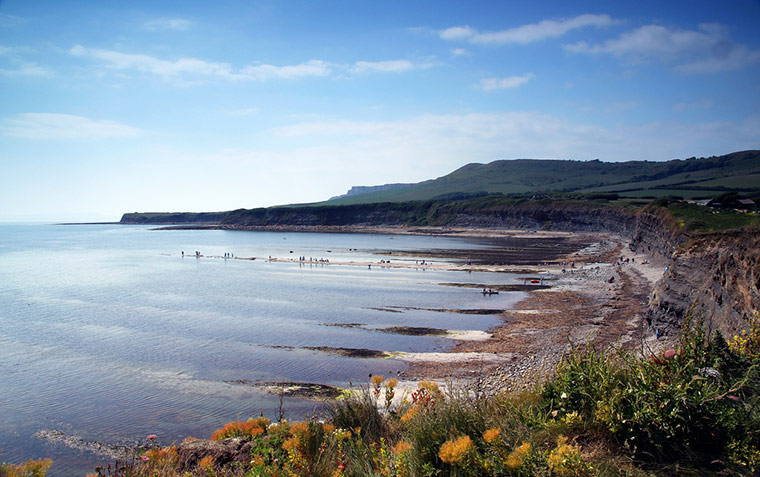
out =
column 491, row 434
column 453, row 450
column 402, row 447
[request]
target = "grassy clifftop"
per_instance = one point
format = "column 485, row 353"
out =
column 738, row 171
column 517, row 193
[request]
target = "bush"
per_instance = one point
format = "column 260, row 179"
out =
column 30, row 468
column 697, row 402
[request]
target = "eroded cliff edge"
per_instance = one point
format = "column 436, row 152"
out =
column 717, row 274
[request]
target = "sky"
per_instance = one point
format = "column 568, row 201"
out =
column 114, row 107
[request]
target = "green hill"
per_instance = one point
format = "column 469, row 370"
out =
column 689, row 178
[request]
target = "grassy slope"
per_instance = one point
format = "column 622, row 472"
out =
column 690, row 177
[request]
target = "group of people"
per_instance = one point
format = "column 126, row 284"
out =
column 226, row 254
column 303, row 259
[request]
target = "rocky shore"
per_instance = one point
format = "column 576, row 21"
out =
column 595, row 299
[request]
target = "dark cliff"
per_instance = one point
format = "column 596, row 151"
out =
column 490, row 211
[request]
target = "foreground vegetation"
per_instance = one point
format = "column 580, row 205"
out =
column 691, row 409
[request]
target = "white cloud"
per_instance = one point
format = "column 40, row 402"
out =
column 17, row 66
column 705, row 51
column 459, row 52
column 267, row 72
column 62, row 126
column 199, row 68
column 26, row 69
column 193, row 69
column 149, row 64
column 458, row 33
column 725, row 57
column 388, row 66
column 177, row 24
column 493, row 84
column 527, row 33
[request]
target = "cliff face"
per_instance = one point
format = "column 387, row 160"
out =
column 717, row 273
column 656, row 233
column 533, row 214
column 547, row 216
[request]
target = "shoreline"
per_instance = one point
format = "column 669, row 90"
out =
column 581, row 308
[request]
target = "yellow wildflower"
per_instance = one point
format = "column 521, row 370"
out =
column 206, row 463
column 516, row 458
column 299, row 428
column 402, row 447
column 491, row 434
column 409, row 414
column 573, row 418
column 566, row 459
column 377, row 380
column 262, row 422
column 290, row 444
column 453, row 450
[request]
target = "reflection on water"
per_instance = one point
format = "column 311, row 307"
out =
column 107, row 332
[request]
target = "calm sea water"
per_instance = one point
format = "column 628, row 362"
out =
column 108, row 333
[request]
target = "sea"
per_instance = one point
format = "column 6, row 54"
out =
column 108, row 333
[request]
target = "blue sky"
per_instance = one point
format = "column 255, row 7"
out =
column 112, row 107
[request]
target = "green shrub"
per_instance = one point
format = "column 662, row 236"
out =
column 697, row 403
